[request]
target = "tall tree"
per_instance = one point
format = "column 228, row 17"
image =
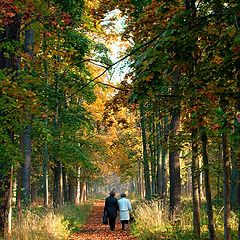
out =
column 145, row 153
column 227, row 171
column 174, row 162
column 26, row 135
column 195, row 183
column 208, row 191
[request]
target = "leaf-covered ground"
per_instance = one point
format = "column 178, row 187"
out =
column 95, row 230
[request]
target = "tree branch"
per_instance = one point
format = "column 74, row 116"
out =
column 115, row 87
column 145, row 45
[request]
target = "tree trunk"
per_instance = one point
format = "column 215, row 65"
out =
column 19, row 194
column 145, row 153
column 77, row 187
column 65, row 186
column 211, row 228
column 235, row 184
column 201, row 184
column 154, row 157
column 26, row 167
column 227, row 171
column 28, row 47
column 152, row 153
column 139, row 178
column 158, row 159
column 45, row 174
column 45, row 146
column 83, row 190
column 57, row 185
column 195, row 187
column 219, row 175
column 57, row 192
column 164, row 165
column 174, row 165
column 72, row 191
column 60, row 194
column 9, row 232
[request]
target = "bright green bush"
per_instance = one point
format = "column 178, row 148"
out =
column 76, row 215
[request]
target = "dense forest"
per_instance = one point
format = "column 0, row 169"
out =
column 163, row 117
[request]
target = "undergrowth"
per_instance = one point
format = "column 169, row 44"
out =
column 152, row 223
column 43, row 224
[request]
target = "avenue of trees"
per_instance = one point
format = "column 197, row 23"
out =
column 170, row 128
column 48, row 148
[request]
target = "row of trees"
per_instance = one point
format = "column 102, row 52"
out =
column 185, row 81
column 49, row 148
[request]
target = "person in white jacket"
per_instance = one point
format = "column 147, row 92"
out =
column 124, row 210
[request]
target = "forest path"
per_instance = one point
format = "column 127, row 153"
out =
column 95, row 230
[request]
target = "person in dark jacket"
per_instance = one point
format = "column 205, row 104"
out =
column 110, row 209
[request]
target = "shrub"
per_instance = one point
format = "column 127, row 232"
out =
column 43, row 224
column 76, row 215
column 47, row 225
column 152, row 223
column 150, row 220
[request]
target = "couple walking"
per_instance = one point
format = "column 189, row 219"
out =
column 112, row 205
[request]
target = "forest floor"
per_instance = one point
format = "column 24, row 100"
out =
column 95, row 230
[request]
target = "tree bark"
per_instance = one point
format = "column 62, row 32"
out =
column 65, row 186
column 57, row 193
column 158, row 158
column 60, row 194
column 174, row 166
column 195, row 187
column 26, row 167
column 164, row 165
column 83, row 190
column 77, row 187
column 72, row 191
column 235, row 184
column 19, row 194
column 211, row 228
column 152, row 153
column 26, row 186
column 226, row 171
column 45, row 174
column 145, row 153
column 139, row 178
column 9, row 232
column 45, row 145
column 174, row 163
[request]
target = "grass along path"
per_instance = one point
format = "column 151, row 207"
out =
column 95, row 230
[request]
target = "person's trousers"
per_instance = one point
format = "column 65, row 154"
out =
column 123, row 222
column 112, row 222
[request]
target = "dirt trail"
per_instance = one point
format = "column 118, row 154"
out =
column 95, row 230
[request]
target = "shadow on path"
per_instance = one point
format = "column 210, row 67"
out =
column 95, row 230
